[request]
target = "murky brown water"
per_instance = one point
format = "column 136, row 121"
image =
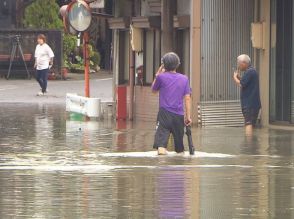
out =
column 52, row 166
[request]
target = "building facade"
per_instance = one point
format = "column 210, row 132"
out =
column 208, row 35
column 137, row 68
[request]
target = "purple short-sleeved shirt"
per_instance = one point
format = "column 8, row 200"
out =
column 172, row 88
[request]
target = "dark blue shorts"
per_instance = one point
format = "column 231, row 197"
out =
column 250, row 116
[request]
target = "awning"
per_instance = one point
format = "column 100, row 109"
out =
column 147, row 22
column 119, row 23
column 151, row 22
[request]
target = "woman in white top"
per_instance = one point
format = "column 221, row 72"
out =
column 43, row 59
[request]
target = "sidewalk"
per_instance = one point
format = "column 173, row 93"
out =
column 102, row 74
column 24, row 91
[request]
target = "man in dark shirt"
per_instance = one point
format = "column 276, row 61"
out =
column 250, row 97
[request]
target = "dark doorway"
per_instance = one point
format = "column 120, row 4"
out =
column 281, row 60
column 182, row 48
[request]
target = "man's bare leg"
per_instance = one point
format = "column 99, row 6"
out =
column 249, row 130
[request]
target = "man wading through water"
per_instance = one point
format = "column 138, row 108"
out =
column 250, row 98
column 174, row 89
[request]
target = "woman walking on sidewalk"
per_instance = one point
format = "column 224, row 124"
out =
column 43, row 60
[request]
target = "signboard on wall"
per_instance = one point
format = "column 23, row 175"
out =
column 257, row 35
column 97, row 4
column 136, row 38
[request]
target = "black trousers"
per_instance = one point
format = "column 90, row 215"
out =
column 169, row 123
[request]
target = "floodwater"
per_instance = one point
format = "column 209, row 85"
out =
column 53, row 165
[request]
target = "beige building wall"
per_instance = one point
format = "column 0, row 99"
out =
column 195, row 57
column 265, row 62
column 146, row 104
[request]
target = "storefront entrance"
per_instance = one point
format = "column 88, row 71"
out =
column 281, row 67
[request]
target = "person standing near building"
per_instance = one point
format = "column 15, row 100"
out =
column 250, row 96
column 43, row 60
column 174, row 89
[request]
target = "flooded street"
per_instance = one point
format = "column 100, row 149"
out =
column 53, row 165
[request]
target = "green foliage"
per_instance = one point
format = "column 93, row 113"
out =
column 96, row 58
column 79, row 65
column 43, row 14
column 69, row 46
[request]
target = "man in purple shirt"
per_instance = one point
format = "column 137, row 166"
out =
column 173, row 89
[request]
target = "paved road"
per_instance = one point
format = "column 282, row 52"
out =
column 24, row 91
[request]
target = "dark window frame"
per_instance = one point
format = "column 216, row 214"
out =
column 154, row 67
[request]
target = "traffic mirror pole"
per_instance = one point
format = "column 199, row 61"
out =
column 86, row 63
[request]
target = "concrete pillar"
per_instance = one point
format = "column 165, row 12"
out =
column 195, row 55
column 115, row 64
column 265, row 63
column 195, row 68
column 167, row 25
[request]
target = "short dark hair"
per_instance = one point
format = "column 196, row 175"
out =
column 171, row 61
column 42, row 37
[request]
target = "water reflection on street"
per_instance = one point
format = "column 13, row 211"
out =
column 55, row 165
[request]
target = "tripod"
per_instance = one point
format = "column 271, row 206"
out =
column 16, row 44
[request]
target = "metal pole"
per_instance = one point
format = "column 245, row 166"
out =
column 132, row 83
column 86, row 63
column 132, row 75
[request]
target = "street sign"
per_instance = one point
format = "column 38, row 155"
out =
column 97, row 4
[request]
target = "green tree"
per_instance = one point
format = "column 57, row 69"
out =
column 43, row 14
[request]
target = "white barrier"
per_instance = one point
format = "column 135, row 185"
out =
column 87, row 106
